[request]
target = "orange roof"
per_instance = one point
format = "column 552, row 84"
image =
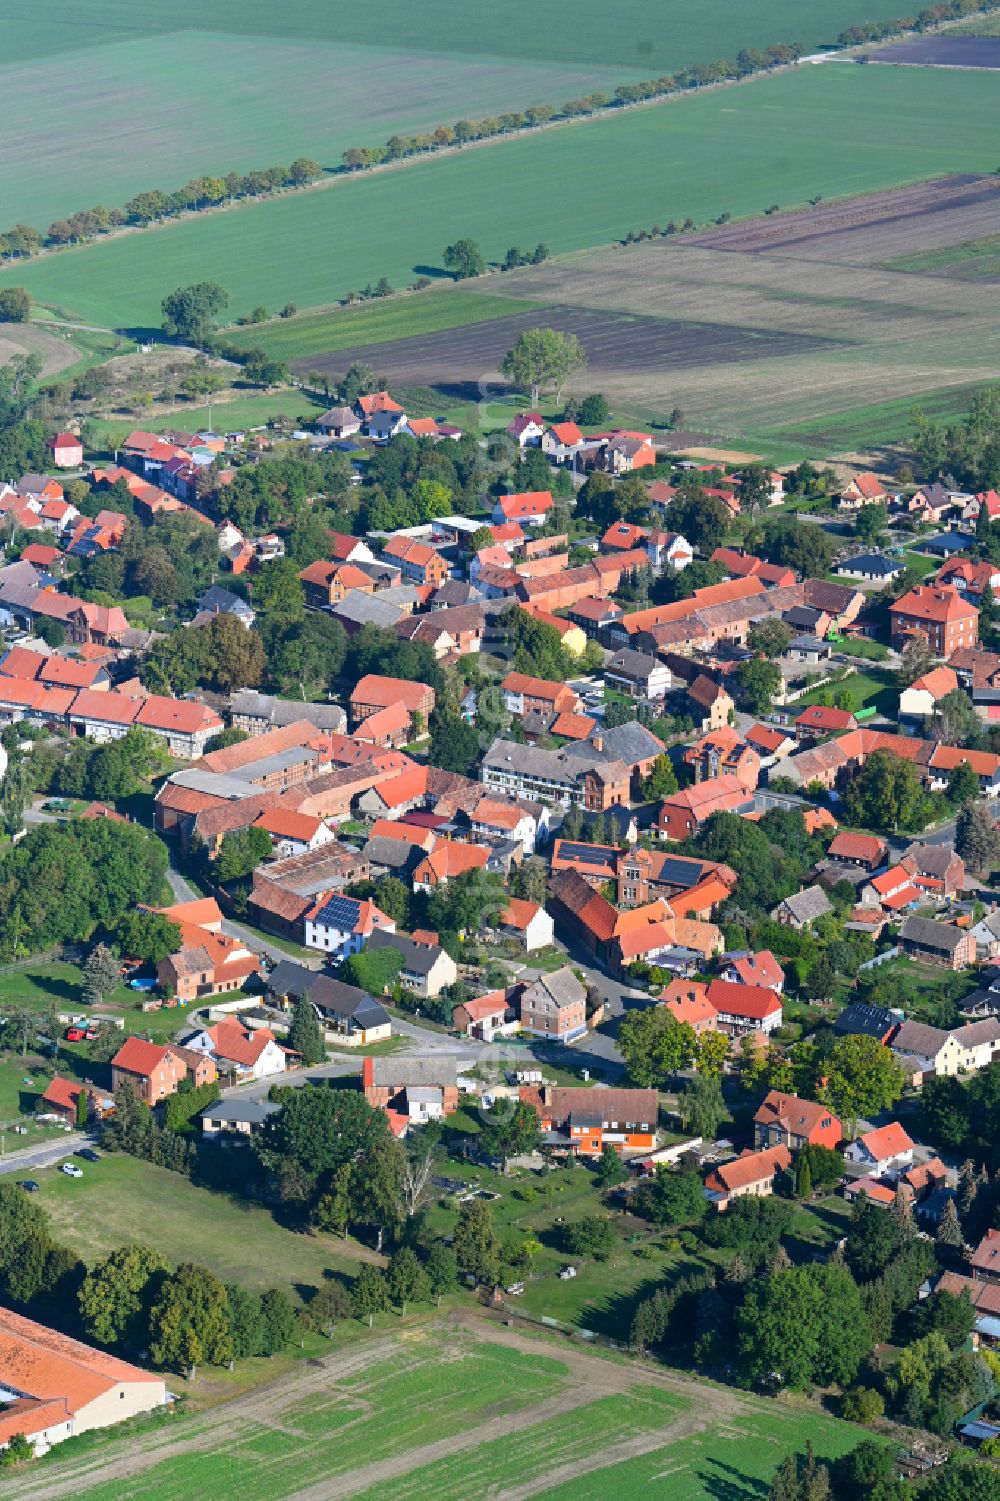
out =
column 818, row 818
column 687, row 1001
column 448, row 859
column 422, row 427
column 237, row 1044
column 566, row 433
column 62, row 1092
column 139, row 1057
column 890, row 880
column 383, row 691
column 887, row 1141
column 409, row 550
column 712, row 594
column 857, row 847
column 519, row 913
column 111, row 708
column 271, row 743
column 751, row 1167
column 52, row 1368
column 19, row 662
column 947, row 757
column 869, row 485
column 939, row 682
column 754, row 1001
column 201, row 912
column 544, row 688
column 392, row 720
column 573, row 726
column 526, row 503
column 378, row 401
column 285, row 823
column 404, row 788
column 182, row 716
column 68, row 672
column 389, row 828
column 941, row 604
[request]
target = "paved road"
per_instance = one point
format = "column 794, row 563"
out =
column 183, row 891
column 46, row 1155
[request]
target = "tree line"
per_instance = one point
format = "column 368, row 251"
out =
column 398, row 147
column 934, row 15
column 153, row 205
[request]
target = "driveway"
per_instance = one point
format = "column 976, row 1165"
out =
column 46, row 1155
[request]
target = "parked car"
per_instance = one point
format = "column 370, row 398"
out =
column 71, row 1170
column 89, row 1155
column 75, row 1034
column 28, row 1184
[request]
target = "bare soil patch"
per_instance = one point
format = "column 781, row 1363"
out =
column 949, row 202
column 720, row 455
column 943, row 51
column 54, row 350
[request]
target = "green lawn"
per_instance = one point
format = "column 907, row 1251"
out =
column 867, row 688
column 122, row 1198
column 375, row 322
column 252, row 410
column 842, row 130
column 61, row 985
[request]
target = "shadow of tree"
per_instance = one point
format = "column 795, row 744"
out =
column 725, row 1483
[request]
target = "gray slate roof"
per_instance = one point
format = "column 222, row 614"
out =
column 236, row 1112
column 928, row 934
column 807, row 905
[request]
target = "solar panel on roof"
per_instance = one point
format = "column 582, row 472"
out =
column 340, row 912
column 680, row 872
column 586, row 854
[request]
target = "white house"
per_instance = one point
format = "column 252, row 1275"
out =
column 341, row 925
column 878, row 1151
column 385, row 425
column 668, row 549
column 236, row 1049
column 294, row 833
column 528, row 922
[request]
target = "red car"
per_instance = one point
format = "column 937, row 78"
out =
column 75, row 1034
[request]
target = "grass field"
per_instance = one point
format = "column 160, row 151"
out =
column 452, row 1412
column 869, row 427
column 830, row 131
column 122, row 1198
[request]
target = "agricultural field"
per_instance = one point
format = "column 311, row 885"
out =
column 262, row 84
column 379, row 322
column 829, row 131
column 971, row 260
column 810, row 318
column 451, row 1410
column 947, row 50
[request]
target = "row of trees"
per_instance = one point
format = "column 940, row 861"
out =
column 926, row 20
column 154, row 205
column 398, row 147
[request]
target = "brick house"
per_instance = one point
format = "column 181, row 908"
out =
column 785, row 1120
column 523, row 694
column 416, row 561
column 584, row 1121
column 683, row 813
column 376, row 692
column 555, row 1007
column 752, row 1173
column 153, row 1071
column 724, row 752
column 939, row 614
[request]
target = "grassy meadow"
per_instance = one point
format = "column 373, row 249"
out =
column 832, row 131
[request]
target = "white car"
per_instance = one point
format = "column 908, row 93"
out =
column 71, row 1170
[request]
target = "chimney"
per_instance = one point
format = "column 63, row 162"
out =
column 546, row 1095
column 598, row 742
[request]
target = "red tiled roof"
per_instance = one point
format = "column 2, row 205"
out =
column 139, row 1057
column 887, row 1141
column 753, row 1001
column 383, row 691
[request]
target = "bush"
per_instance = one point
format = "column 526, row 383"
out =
column 862, row 1405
